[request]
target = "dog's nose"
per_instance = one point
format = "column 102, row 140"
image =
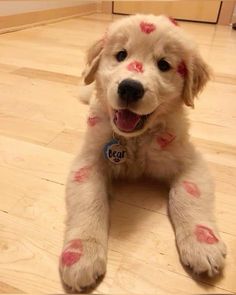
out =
column 130, row 90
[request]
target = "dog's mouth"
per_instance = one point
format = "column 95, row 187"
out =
column 127, row 121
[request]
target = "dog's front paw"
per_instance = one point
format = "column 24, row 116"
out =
column 203, row 251
column 82, row 262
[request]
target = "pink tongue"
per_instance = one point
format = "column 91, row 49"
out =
column 126, row 120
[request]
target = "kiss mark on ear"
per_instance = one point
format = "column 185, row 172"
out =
column 173, row 21
column 147, row 28
column 191, row 188
column 93, row 120
column 82, row 174
column 164, row 139
column 182, row 69
column 205, row 235
column 135, row 66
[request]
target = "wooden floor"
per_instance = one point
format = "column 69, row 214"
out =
column 41, row 128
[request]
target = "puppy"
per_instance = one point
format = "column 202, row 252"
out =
column 145, row 70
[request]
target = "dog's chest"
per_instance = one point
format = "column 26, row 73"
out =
column 146, row 155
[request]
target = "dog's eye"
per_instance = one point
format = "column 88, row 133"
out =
column 163, row 65
column 121, row 55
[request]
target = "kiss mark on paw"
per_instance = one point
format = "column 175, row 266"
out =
column 191, row 188
column 165, row 139
column 182, row 70
column 147, row 28
column 70, row 257
column 82, row 174
column 93, row 120
column 205, row 235
column 174, row 21
column 135, row 66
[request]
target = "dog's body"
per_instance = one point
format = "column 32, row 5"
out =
column 150, row 133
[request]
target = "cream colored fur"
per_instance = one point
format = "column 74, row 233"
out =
column 87, row 202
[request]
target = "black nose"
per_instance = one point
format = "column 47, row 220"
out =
column 130, row 90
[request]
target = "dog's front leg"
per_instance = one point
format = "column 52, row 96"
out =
column 84, row 254
column 191, row 209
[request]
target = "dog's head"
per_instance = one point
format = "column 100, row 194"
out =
column 145, row 66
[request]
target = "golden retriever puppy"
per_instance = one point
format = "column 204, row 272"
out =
column 145, row 70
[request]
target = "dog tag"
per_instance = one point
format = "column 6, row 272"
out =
column 115, row 152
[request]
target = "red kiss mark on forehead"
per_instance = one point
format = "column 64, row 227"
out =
column 147, row 28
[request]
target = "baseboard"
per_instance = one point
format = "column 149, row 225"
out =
column 226, row 12
column 21, row 21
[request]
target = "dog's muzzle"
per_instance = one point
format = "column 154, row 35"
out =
column 129, row 91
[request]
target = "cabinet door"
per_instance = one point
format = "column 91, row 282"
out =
column 203, row 11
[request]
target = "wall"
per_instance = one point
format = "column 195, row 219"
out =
column 18, row 7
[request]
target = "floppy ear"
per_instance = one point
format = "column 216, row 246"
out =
column 93, row 57
column 196, row 78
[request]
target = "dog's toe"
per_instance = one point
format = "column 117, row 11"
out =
column 202, row 258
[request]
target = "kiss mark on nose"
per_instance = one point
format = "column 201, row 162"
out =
column 82, row 174
column 191, row 188
column 205, row 235
column 182, row 69
column 165, row 139
column 147, row 28
column 93, row 120
column 135, row 66
column 173, row 21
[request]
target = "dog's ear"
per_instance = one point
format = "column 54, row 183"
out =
column 198, row 73
column 93, row 57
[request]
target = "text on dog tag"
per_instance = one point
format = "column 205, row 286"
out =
column 115, row 152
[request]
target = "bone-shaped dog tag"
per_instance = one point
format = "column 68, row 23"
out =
column 115, row 152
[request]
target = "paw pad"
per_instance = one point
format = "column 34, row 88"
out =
column 205, row 235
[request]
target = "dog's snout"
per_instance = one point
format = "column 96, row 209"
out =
column 130, row 90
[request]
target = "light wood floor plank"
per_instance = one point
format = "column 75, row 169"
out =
column 34, row 159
